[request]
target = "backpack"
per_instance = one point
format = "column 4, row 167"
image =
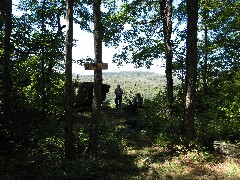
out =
column 118, row 92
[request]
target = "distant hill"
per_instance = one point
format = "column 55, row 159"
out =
column 132, row 82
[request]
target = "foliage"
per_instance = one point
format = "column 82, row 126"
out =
column 218, row 114
column 151, row 149
column 145, row 145
column 111, row 145
column 137, row 27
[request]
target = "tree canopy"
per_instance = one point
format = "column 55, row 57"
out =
column 196, row 102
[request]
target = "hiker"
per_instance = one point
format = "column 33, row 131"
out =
column 118, row 99
column 138, row 101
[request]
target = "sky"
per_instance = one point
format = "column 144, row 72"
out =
column 85, row 48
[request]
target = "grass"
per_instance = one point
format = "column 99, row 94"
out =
column 127, row 151
column 141, row 159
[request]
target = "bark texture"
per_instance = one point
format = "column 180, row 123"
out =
column 69, row 138
column 191, row 70
column 6, row 14
column 166, row 16
column 96, row 114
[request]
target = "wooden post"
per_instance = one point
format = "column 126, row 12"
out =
column 96, row 105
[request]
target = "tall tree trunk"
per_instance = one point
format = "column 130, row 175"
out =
column 43, row 78
column 96, row 114
column 166, row 16
column 205, row 65
column 7, row 80
column 69, row 137
column 191, row 70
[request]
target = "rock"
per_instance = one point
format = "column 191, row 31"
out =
column 226, row 148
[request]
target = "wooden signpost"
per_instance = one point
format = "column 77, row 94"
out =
column 96, row 104
column 96, row 66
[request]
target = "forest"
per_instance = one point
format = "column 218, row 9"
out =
column 148, row 84
column 188, row 126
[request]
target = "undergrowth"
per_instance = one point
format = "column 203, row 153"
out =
column 143, row 145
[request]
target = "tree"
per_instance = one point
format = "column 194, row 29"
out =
column 191, row 70
column 145, row 25
column 69, row 136
column 2, row 13
column 38, row 40
column 43, row 82
column 96, row 115
column 219, row 48
column 205, row 61
column 6, row 13
column 166, row 16
column 137, row 26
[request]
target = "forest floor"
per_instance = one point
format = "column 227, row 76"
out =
column 141, row 159
column 127, row 151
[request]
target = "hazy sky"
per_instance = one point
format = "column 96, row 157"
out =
column 84, row 48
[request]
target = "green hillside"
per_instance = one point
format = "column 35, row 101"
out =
column 132, row 82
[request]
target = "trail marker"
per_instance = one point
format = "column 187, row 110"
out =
column 96, row 66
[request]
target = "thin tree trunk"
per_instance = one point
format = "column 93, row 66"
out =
column 69, row 136
column 166, row 16
column 7, row 79
column 191, row 70
column 43, row 78
column 205, row 65
column 96, row 114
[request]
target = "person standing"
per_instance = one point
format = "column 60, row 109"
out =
column 118, row 100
